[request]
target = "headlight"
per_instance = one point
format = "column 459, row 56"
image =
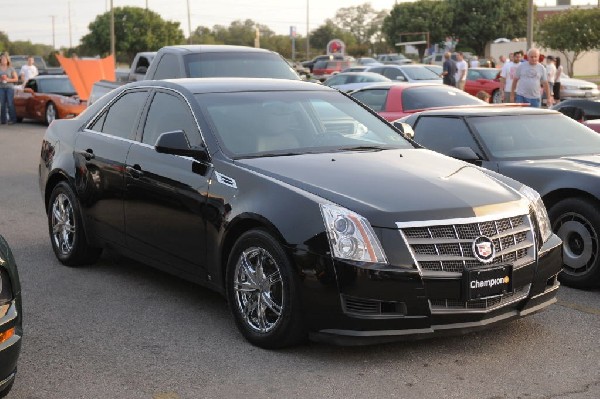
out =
column 540, row 211
column 69, row 100
column 570, row 87
column 351, row 236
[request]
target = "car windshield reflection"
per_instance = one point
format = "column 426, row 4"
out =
column 535, row 136
column 253, row 124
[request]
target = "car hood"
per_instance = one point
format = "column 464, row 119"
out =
column 394, row 185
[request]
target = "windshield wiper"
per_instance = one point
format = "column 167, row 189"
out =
column 364, row 148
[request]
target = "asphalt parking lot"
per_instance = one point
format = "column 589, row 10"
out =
column 121, row 330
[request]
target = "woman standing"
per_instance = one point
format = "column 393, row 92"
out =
column 8, row 78
column 559, row 71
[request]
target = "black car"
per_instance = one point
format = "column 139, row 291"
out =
column 310, row 213
column 590, row 109
column 11, row 318
column 553, row 154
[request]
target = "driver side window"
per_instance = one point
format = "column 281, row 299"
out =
column 168, row 113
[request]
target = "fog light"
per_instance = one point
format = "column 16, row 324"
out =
column 5, row 336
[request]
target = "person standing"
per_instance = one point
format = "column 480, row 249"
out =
column 449, row 70
column 474, row 62
column 8, row 78
column 556, row 88
column 28, row 71
column 551, row 70
column 529, row 77
column 507, row 74
column 461, row 71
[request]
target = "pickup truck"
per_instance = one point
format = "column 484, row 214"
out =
column 18, row 61
column 208, row 61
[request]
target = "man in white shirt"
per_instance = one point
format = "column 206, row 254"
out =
column 507, row 74
column 461, row 71
column 28, row 71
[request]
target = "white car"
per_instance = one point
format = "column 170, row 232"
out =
column 577, row 88
column 415, row 73
column 348, row 81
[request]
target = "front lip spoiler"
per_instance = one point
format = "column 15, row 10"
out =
column 354, row 337
column 7, row 380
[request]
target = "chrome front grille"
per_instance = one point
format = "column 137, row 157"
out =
column 449, row 247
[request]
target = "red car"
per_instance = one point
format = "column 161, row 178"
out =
column 593, row 124
column 324, row 69
column 46, row 98
column 394, row 100
column 484, row 79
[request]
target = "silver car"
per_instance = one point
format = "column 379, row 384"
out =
column 577, row 88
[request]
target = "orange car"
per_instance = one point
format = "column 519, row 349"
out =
column 46, row 98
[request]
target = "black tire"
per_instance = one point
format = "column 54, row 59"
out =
column 6, row 390
column 264, row 296
column 65, row 227
column 50, row 114
column 19, row 119
column 577, row 222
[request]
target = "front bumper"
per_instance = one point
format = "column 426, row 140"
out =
column 10, row 348
column 389, row 303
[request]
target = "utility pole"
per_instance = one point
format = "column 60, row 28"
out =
column 189, row 23
column 53, row 33
column 70, row 32
column 529, row 24
column 112, row 31
column 307, row 34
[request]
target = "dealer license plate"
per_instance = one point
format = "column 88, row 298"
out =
column 488, row 282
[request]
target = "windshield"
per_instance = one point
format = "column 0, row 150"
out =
column 238, row 64
column 489, row 73
column 57, row 86
column 436, row 96
column 253, row 124
column 420, row 73
column 535, row 136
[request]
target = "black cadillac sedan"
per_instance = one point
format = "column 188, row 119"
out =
column 11, row 318
column 310, row 213
column 555, row 155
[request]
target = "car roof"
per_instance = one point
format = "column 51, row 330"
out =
column 232, row 85
column 213, row 48
column 48, row 77
column 403, row 85
column 488, row 110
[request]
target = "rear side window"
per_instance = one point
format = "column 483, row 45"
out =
column 167, row 68
column 443, row 134
column 122, row 117
column 374, row 99
column 238, row 64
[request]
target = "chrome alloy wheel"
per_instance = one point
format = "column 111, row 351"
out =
column 258, row 289
column 50, row 113
column 580, row 243
column 63, row 224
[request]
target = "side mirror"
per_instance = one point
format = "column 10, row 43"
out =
column 400, row 78
column 141, row 69
column 176, row 143
column 406, row 129
column 464, row 154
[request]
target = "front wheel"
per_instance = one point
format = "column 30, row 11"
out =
column 577, row 222
column 262, row 292
column 50, row 113
column 66, row 229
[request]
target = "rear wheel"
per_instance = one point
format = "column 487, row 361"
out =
column 50, row 113
column 66, row 229
column 262, row 292
column 577, row 222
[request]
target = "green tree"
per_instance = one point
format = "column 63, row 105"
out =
column 203, row 35
column 477, row 22
column 4, row 41
column 328, row 31
column 430, row 16
column 572, row 33
column 363, row 22
column 136, row 29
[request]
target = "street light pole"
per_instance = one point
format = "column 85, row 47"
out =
column 112, row 32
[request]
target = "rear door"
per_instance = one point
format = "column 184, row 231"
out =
column 166, row 194
column 100, row 154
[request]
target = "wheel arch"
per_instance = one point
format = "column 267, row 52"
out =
column 552, row 198
column 239, row 226
column 53, row 180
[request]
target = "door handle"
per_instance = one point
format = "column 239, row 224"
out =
column 135, row 171
column 88, row 154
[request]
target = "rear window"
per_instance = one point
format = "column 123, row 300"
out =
column 436, row 96
column 238, row 64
